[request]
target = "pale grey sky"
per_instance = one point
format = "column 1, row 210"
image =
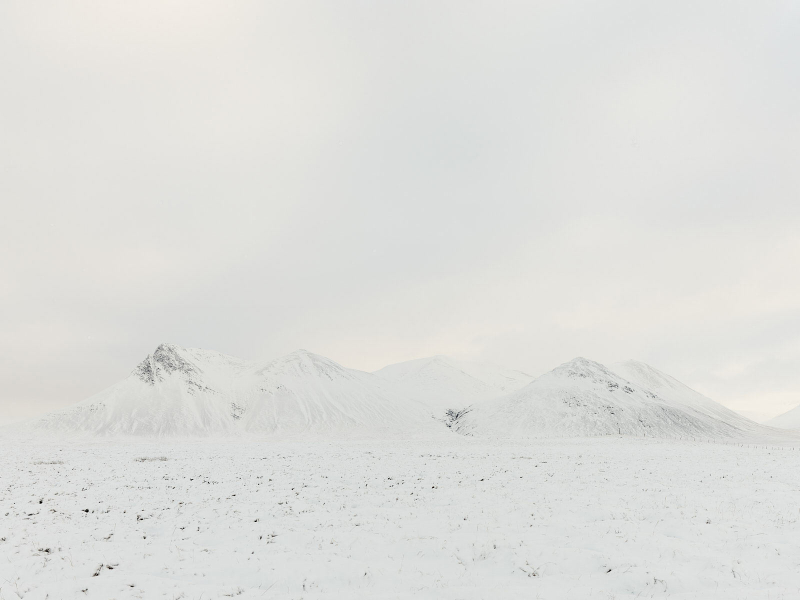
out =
column 516, row 182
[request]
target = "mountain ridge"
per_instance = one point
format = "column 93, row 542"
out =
column 443, row 383
column 582, row 397
column 192, row 392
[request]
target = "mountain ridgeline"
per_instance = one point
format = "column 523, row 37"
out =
column 585, row 398
column 189, row 393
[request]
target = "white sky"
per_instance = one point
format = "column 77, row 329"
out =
column 517, row 182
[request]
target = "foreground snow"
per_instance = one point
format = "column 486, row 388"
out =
column 589, row 518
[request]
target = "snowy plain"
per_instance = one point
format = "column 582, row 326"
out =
column 454, row 518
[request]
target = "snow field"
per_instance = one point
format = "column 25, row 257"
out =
column 581, row 518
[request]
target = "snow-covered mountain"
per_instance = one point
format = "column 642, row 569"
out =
column 191, row 392
column 788, row 420
column 188, row 392
column 672, row 390
column 444, row 383
column 307, row 392
column 584, row 398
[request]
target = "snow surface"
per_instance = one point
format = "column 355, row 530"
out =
column 609, row 517
column 443, row 383
column 584, row 398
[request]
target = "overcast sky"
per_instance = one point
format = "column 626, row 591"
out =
column 515, row 182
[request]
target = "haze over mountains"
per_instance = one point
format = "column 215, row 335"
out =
column 444, row 383
column 189, row 392
column 788, row 420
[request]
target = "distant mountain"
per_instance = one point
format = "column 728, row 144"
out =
column 788, row 420
column 307, row 392
column 584, row 398
column 672, row 390
column 187, row 392
column 443, row 383
column 191, row 392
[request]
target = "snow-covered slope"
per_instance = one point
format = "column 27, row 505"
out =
column 306, row 392
column 187, row 392
column 788, row 420
column 174, row 391
column 581, row 398
column 191, row 392
column 672, row 390
column 444, row 383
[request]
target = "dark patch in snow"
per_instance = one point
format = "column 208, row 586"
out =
column 166, row 360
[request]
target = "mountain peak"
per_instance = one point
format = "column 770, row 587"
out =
column 445, row 383
column 302, row 362
column 170, row 357
column 309, row 357
column 632, row 363
column 165, row 359
column 303, row 352
column 583, row 368
column 167, row 347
